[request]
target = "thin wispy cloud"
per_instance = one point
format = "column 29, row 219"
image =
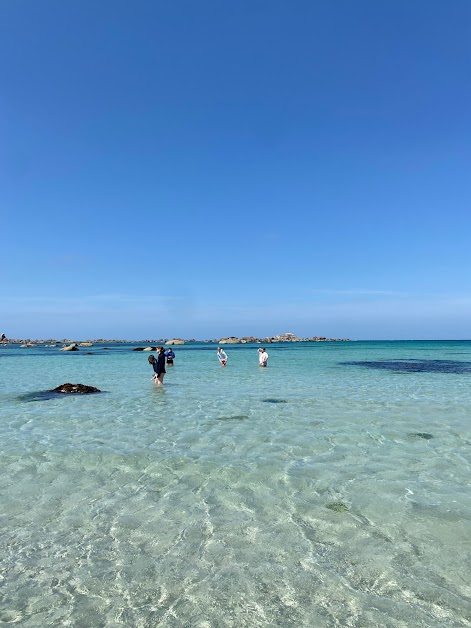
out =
column 360, row 292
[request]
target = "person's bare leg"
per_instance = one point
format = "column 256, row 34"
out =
column 160, row 379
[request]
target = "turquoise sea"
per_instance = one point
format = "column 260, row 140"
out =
column 331, row 489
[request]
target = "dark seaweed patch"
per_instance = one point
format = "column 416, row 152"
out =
column 338, row 507
column 415, row 366
column 423, row 435
column 271, row 400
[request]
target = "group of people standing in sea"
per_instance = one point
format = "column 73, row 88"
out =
column 159, row 364
column 262, row 357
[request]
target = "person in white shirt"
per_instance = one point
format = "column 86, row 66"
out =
column 262, row 357
column 222, row 357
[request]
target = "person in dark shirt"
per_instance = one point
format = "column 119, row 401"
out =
column 170, row 355
column 158, row 366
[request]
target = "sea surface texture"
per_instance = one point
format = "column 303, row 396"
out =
column 332, row 488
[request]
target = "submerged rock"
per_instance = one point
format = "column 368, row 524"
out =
column 75, row 388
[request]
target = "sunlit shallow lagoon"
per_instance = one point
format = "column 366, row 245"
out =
column 330, row 489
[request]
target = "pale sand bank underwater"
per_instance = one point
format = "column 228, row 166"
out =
column 330, row 489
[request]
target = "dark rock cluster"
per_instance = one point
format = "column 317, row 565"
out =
column 75, row 388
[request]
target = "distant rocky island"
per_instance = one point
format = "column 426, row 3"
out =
column 280, row 338
column 67, row 344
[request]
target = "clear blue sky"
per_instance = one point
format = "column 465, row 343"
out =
column 207, row 168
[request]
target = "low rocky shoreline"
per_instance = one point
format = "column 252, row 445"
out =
column 66, row 343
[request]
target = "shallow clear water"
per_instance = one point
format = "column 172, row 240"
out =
column 321, row 491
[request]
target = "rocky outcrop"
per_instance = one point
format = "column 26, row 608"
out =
column 149, row 349
column 81, row 389
column 286, row 338
column 86, row 344
column 175, row 341
column 246, row 339
column 72, row 347
column 231, row 340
